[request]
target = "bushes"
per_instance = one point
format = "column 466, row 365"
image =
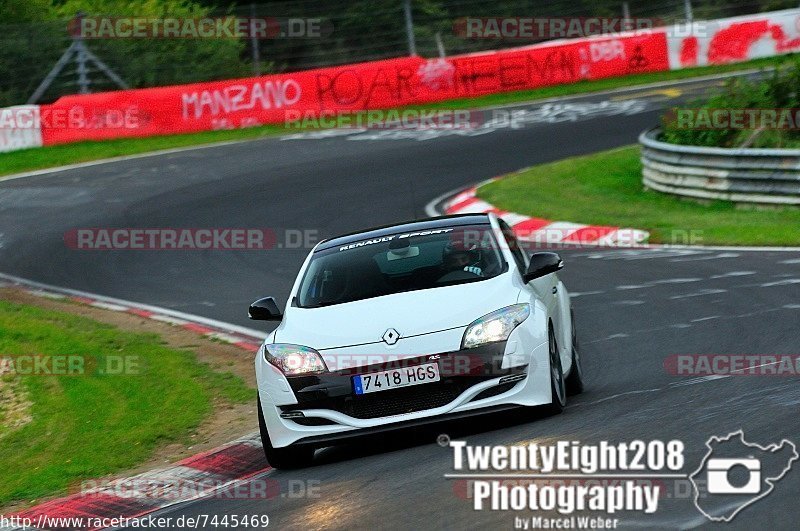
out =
column 776, row 91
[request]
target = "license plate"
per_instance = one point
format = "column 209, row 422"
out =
column 395, row 378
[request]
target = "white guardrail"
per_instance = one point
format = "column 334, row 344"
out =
column 746, row 175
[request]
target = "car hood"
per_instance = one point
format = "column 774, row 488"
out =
column 411, row 313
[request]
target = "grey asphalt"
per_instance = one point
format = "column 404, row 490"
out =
column 634, row 308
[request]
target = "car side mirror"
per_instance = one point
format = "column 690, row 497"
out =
column 542, row 264
column 265, row 309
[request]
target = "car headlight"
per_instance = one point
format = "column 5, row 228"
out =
column 294, row 360
column 495, row 326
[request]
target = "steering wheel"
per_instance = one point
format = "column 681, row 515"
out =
column 455, row 276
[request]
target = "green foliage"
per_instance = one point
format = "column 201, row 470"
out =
column 152, row 62
column 15, row 11
column 29, row 49
column 777, row 90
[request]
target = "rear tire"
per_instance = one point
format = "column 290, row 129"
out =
column 282, row 458
column 574, row 382
column 557, row 389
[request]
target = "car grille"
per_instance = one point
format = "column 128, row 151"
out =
column 399, row 401
column 385, row 403
column 334, row 391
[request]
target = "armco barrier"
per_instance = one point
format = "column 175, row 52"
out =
column 765, row 176
column 397, row 82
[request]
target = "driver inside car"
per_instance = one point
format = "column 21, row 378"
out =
column 460, row 259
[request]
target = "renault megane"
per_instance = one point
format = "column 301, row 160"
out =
column 408, row 324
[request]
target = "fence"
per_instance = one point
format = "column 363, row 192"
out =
column 352, row 32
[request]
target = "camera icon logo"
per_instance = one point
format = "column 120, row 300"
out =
column 719, row 472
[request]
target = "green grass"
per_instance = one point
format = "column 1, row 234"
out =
column 87, row 426
column 606, row 189
column 52, row 156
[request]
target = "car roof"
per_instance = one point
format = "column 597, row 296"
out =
column 454, row 220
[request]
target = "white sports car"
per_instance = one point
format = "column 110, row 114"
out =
column 412, row 323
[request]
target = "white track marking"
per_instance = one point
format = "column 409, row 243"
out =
column 700, row 293
column 786, row 282
column 713, row 257
column 701, row 319
column 584, row 293
column 734, row 274
column 248, row 332
column 673, row 385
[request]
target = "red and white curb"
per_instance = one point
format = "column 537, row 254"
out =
column 539, row 230
column 213, row 473
column 216, row 473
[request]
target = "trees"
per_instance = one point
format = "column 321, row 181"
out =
column 31, row 45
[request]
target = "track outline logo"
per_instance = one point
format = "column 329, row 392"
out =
column 770, row 481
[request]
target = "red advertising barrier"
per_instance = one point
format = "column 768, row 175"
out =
column 394, row 83
column 734, row 40
column 374, row 85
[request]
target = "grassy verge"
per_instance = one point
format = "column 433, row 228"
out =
column 606, row 189
column 51, row 156
column 56, row 430
column 34, row 159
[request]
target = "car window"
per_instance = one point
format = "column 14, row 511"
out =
column 520, row 257
column 401, row 262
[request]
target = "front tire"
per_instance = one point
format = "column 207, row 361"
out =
column 282, row 458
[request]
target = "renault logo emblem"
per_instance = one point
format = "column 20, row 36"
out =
column 391, row 336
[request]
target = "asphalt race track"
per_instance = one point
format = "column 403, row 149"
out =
column 634, row 307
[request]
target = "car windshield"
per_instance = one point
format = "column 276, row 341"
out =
column 401, row 262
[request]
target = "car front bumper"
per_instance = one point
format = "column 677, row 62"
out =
column 323, row 409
